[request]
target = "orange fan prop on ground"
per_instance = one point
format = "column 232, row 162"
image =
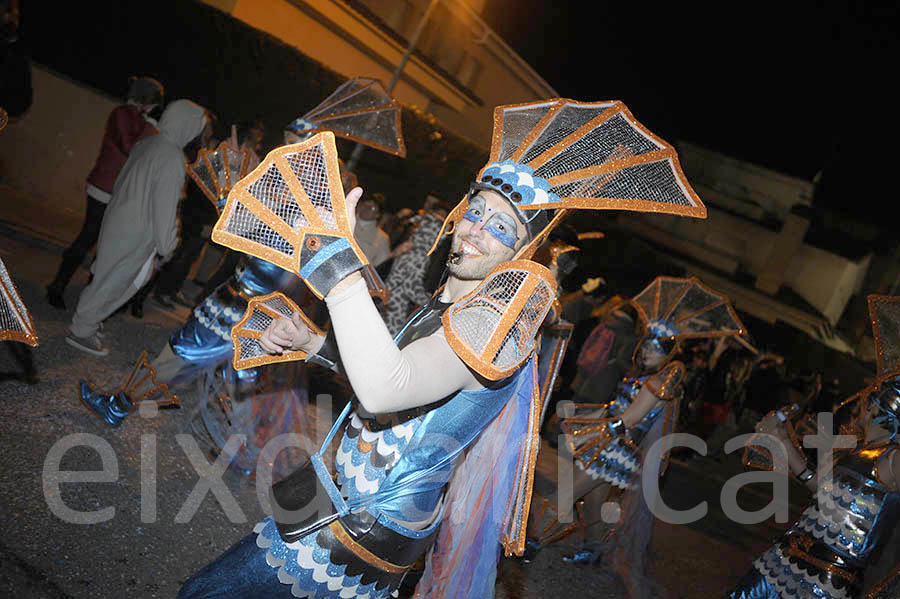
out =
column 261, row 311
column 360, row 110
column 139, row 388
column 291, row 211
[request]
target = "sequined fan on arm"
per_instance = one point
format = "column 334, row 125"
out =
column 561, row 155
column 587, row 433
column 291, row 211
column 15, row 320
column 493, row 328
column 361, row 110
column 260, row 313
column 217, row 171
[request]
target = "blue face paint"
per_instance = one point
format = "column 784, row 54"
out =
column 499, row 234
column 498, row 225
column 475, row 211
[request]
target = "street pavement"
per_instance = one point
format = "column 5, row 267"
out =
column 154, row 539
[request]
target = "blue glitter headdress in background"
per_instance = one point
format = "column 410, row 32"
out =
column 684, row 308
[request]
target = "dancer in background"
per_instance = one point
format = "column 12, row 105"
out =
column 441, row 385
column 827, row 552
column 608, row 441
column 406, row 280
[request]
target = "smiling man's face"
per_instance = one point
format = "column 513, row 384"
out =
column 488, row 234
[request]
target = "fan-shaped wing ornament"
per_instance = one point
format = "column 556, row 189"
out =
column 561, row 155
column 291, row 211
column 217, row 171
column 692, row 308
column 15, row 320
column 260, row 313
column 4, row 118
column 361, row 110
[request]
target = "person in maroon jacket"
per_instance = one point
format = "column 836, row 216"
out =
column 127, row 124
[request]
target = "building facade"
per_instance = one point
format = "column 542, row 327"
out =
column 753, row 246
column 459, row 71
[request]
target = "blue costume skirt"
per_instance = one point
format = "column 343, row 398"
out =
column 317, row 565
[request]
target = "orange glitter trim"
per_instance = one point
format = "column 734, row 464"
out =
column 259, row 304
column 295, row 235
column 482, row 361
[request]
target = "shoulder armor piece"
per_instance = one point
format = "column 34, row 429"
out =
column 493, row 328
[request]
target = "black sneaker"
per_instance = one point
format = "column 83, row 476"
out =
column 55, row 298
column 166, row 301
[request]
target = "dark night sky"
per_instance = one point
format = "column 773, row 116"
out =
column 793, row 86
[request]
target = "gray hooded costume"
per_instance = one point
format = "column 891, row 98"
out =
column 141, row 220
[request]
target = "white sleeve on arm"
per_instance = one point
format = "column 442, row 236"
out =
column 385, row 378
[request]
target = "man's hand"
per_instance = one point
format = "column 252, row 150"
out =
column 772, row 425
column 285, row 334
column 591, row 284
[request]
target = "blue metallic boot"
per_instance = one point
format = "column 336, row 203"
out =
column 111, row 409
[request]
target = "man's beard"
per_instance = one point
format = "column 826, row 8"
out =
column 473, row 268
column 468, row 272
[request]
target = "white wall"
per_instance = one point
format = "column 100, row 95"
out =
column 46, row 155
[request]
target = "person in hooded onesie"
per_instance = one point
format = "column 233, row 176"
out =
column 140, row 223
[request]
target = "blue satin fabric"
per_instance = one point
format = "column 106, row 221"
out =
column 239, row 573
column 206, row 337
column 416, row 483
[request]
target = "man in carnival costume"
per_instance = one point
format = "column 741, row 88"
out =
column 360, row 110
column 458, row 381
column 828, row 551
column 608, row 441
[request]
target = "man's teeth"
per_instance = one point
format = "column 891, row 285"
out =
column 470, row 250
